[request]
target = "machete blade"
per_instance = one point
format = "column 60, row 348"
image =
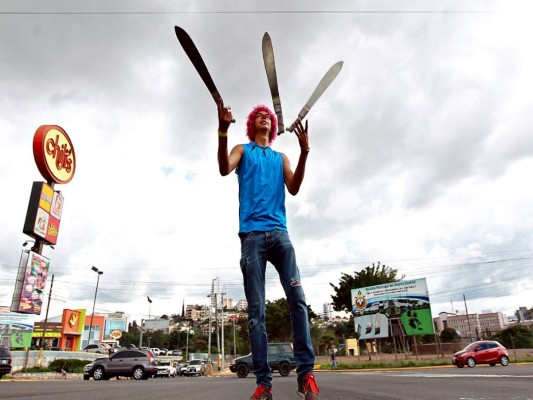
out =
column 270, row 68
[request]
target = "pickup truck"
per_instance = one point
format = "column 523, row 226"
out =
column 165, row 368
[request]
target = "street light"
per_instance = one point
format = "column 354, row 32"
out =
column 149, row 317
column 141, row 335
column 94, row 303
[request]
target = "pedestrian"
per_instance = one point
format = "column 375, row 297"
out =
column 64, row 370
column 333, row 360
column 263, row 174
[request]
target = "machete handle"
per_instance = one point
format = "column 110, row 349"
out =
column 301, row 116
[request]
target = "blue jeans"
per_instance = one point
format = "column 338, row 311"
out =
column 274, row 246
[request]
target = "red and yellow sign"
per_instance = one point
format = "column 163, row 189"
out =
column 44, row 213
column 54, row 154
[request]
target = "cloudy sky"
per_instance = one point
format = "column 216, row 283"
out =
column 421, row 150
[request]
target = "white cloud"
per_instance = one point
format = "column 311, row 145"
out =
column 420, row 150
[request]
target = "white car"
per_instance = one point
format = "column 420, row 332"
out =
column 155, row 350
column 165, row 368
column 97, row 348
column 195, row 367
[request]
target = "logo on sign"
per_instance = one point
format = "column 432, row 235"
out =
column 54, row 154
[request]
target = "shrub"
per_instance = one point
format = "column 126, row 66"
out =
column 73, row 365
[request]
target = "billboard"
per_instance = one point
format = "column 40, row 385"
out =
column 155, row 324
column 31, row 282
column 44, row 213
column 16, row 329
column 392, row 309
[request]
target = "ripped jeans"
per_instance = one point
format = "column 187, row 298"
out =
column 274, row 246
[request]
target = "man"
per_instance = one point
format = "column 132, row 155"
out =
column 263, row 175
column 333, row 360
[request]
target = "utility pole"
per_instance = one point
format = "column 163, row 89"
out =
column 222, row 305
column 45, row 322
column 209, row 330
column 468, row 319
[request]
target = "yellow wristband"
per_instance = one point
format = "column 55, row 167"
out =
column 222, row 134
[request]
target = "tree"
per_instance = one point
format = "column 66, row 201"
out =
column 522, row 338
column 328, row 339
column 369, row 276
column 278, row 320
column 449, row 335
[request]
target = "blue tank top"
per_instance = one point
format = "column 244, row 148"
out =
column 261, row 190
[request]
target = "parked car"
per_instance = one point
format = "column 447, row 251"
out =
column 97, row 348
column 195, row 367
column 481, row 352
column 176, row 352
column 182, row 368
column 155, row 350
column 280, row 358
column 163, row 352
column 165, row 368
column 5, row 361
column 135, row 363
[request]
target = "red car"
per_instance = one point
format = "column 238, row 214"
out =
column 481, row 352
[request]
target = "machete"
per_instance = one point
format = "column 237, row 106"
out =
column 320, row 89
column 270, row 68
column 196, row 59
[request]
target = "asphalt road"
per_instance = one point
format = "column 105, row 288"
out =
column 480, row 383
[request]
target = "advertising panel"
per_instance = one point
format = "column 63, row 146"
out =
column 392, row 309
column 155, row 324
column 30, row 285
column 16, row 329
column 44, row 213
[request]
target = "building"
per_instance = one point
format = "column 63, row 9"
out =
column 69, row 331
column 242, row 305
column 327, row 311
column 524, row 314
column 117, row 321
column 472, row 326
column 228, row 303
column 195, row 312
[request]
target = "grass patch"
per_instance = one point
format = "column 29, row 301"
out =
column 378, row 364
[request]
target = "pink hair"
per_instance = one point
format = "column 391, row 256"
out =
column 250, row 123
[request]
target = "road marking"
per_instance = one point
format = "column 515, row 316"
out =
column 419, row 375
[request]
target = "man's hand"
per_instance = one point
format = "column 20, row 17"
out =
column 301, row 134
column 225, row 118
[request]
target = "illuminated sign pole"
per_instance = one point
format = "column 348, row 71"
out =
column 56, row 161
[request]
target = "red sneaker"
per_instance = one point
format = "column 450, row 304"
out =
column 309, row 388
column 262, row 393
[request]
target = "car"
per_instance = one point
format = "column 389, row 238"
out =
column 97, row 348
column 163, row 352
column 155, row 350
column 195, row 367
column 481, row 352
column 165, row 368
column 176, row 352
column 135, row 363
column 5, row 361
column 280, row 358
column 182, row 368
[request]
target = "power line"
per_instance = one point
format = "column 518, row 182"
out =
column 259, row 12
